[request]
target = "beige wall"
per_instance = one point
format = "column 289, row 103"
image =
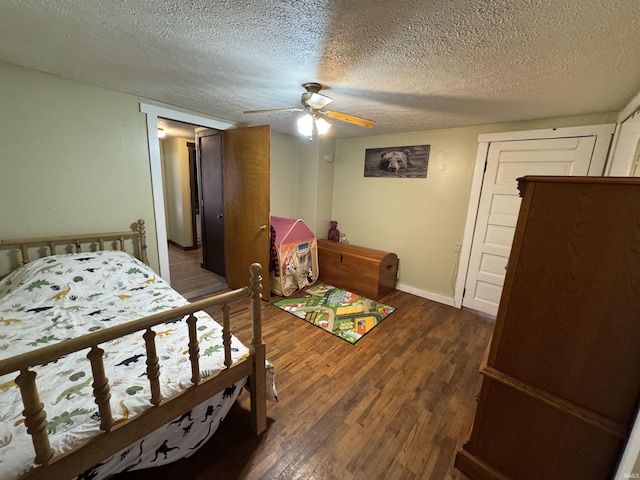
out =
column 421, row 220
column 284, row 175
column 73, row 158
column 325, row 183
column 315, row 184
column 302, row 180
column 177, row 190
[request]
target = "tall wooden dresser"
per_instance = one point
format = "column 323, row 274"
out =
column 561, row 381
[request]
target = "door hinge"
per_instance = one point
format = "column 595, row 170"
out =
column 485, row 166
column 464, row 292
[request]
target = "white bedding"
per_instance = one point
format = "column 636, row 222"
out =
column 65, row 296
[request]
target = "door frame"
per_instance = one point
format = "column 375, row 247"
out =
column 195, row 193
column 603, row 134
column 153, row 112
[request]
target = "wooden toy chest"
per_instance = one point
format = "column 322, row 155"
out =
column 365, row 271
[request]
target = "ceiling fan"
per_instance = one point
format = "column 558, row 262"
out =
column 313, row 102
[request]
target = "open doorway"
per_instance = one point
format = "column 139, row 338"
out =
column 153, row 113
column 247, row 164
column 182, row 187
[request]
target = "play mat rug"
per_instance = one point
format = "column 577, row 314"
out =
column 345, row 314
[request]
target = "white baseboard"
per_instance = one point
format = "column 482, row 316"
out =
column 424, row 294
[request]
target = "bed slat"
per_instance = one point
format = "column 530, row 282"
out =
column 226, row 335
column 35, row 418
column 101, row 389
column 153, row 366
column 25, row 254
column 194, row 350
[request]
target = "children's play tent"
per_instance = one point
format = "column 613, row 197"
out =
column 294, row 256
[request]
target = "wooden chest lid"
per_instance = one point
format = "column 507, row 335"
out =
column 355, row 250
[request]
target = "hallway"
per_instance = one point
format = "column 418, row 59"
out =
column 188, row 277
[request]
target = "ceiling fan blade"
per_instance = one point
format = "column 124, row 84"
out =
column 345, row 117
column 291, row 109
column 315, row 100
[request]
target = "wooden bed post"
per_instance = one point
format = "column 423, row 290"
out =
column 142, row 242
column 258, row 378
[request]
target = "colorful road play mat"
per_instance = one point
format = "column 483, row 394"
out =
column 347, row 315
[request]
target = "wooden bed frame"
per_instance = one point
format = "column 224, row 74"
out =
column 120, row 434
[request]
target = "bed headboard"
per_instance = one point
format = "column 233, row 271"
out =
column 20, row 250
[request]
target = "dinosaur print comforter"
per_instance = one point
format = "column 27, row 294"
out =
column 66, row 296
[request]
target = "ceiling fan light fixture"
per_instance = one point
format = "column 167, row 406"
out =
column 311, row 124
column 322, row 126
column 305, row 124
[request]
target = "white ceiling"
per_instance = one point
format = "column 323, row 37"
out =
column 410, row 65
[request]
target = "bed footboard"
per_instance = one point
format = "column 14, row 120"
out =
column 121, row 433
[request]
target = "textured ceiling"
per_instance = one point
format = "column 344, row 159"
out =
column 408, row 64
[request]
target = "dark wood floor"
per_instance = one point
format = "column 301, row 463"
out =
column 394, row 406
column 188, row 277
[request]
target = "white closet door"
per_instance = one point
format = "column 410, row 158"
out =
column 500, row 203
column 627, row 149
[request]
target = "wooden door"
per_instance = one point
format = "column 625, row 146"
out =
column 500, row 202
column 246, row 164
column 209, row 149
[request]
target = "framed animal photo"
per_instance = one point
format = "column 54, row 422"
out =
column 397, row 162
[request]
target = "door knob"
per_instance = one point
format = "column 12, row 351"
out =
column 219, row 215
column 263, row 227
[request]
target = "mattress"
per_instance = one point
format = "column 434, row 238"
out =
column 66, row 296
